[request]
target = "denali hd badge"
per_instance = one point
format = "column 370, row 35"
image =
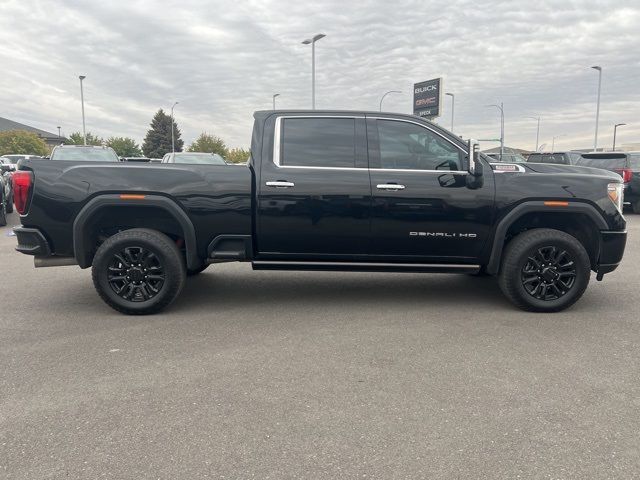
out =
column 443, row 234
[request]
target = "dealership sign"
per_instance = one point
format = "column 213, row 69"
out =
column 427, row 98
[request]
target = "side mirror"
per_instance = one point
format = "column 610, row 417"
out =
column 474, row 166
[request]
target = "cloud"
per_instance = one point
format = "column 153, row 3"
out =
column 224, row 59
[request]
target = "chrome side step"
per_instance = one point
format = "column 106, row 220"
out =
column 365, row 267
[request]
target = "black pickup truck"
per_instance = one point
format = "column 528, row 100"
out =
column 326, row 190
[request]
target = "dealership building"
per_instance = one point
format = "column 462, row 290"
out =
column 51, row 139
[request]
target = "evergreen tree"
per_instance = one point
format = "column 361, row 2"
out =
column 157, row 143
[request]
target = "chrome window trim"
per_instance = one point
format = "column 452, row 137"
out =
column 277, row 142
column 441, row 172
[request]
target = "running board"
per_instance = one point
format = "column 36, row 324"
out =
column 366, row 267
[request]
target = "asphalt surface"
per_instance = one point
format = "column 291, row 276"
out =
column 317, row 375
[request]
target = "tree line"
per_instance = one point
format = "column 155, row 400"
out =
column 156, row 143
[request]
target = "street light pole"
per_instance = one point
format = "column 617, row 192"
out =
column 313, row 41
column 387, row 93
column 615, row 128
column 84, row 130
column 453, row 105
column 501, row 108
column 173, row 144
column 59, row 132
column 273, row 98
column 553, row 141
column 537, row 131
column 595, row 141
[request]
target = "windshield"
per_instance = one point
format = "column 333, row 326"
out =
column 603, row 160
column 203, row 158
column 85, row 154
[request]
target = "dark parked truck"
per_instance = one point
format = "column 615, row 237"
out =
column 330, row 190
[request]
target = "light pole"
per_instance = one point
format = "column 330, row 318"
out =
column 453, row 106
column 615, row 128
column 84, row 130
column 273, row 98
column 595, row 141
column 501, row 108
column 173, row 144
column 313, row 41
column 537, row 131
column 387, row 93
column 59, row 132
column 553, row 142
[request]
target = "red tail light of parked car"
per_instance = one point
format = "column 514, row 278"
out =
column 625, row 173
column 22, row 183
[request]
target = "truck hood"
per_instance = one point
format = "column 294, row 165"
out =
column 570, row 169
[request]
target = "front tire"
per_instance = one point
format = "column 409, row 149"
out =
column 138, row 271
column 544, row 270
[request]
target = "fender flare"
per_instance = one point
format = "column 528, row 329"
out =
column 81, row 250
column 493, row 266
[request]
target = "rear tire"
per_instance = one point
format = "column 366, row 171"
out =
column 138, row 271
column 3, row 213
column 635, row 206
column 544, row 270
column 10, row 204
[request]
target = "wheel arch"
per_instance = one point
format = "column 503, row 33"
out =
column 562, row 217
column 82, row 236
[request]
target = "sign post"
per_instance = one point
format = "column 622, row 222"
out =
column 427, row 98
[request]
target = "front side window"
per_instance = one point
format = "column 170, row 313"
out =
column 409, row 146
column 318, row 142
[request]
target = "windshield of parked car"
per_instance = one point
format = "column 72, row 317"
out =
column 202, row 158
column 603, row 160
column 85, row 154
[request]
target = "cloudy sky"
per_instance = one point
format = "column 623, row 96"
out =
column 224, row 59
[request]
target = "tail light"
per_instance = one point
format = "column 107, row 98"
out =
column 625, row 173
column 22, row 182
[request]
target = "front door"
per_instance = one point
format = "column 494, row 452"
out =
column 421, row 205
column 314, row 194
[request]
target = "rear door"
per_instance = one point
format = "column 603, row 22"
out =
column 421, row 204
column 314, row 194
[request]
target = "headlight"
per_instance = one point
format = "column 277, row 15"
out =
column 615, row 194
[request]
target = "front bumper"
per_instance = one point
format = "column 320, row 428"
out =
column 611, row 251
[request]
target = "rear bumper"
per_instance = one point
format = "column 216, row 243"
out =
column 611, row 251
column 31, row 241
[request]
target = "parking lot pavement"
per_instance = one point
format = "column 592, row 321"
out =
column 317, row 375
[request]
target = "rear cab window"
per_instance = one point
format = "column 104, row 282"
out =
column 609, row 161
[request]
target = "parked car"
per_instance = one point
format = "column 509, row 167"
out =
column 13, row 159
column 328, row 190
column 558, row 158
column 194, row 158
column 6, row 192
column 84, row 153
column 506, row 157
column 626, row 164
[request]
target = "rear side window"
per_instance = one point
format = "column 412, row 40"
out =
column 634, row 161
column 318, row 142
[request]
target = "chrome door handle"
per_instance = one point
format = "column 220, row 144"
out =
column 280, row 184
column 390, row 186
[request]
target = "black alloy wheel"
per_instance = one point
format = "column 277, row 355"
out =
column 549, row 273
column 136, row 274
